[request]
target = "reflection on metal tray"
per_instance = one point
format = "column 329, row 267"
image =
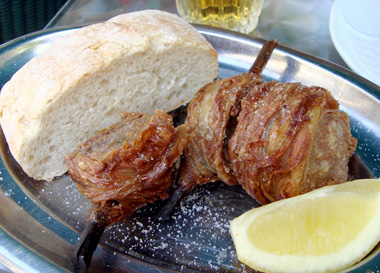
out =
column 41, row 222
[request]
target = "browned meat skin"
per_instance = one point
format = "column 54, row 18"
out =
column 275, row 139
column 290, row 139
column 205, row 158
column 130, row 164
column 211, row 113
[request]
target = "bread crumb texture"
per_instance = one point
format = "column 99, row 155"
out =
column 84, row 81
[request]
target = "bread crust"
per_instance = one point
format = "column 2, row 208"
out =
column 39, row 92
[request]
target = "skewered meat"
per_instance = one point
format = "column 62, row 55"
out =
column 212, row 113
column 131, row 162
column 209, row 113
column 122, row 168
column 290, row 139
column 276, row 139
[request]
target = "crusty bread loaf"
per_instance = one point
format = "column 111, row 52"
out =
column 138, row 61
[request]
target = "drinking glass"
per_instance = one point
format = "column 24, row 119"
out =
column 238, row 15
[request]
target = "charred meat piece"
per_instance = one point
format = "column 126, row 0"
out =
column 276, row 139
column 131, row 162
column 126, row 166
column 290, row 139
column 211, row 113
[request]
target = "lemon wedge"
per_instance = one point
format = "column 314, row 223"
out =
column 325, row 230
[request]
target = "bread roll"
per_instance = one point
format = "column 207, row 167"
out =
column 84, row 81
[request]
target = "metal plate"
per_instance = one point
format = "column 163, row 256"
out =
column 41, row 222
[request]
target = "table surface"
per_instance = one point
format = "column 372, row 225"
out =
column 301, row 25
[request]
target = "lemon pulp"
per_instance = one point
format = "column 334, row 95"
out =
column 312, row 228
column 325, row 230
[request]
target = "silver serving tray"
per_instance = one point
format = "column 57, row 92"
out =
column 41, row 222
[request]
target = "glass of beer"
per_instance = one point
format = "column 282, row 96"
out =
column 238, row 15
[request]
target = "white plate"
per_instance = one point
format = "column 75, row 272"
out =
column 355, row 32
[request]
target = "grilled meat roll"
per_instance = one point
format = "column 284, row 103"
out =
column 122, row 168
column 277, row 140
column 129, row 163
column 290, row 139
column 211, row 113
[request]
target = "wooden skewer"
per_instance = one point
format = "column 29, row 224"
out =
column 263, row 57
column 84, row 249
column 98, row 220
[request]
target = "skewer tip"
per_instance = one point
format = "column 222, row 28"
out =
column 263, row 57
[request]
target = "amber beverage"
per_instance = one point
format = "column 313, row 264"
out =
column 238, row 15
